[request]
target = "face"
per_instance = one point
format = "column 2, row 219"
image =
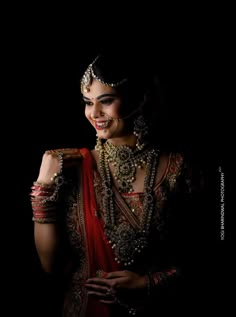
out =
column 103, row 110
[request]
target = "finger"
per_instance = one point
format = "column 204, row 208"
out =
column 96, row 287
column 105, row 297
column 99, row 294
column 101, row 273
column 116, row 274
column 98, row 280
column 109, row 302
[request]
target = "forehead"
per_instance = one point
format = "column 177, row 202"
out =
column 96, row 89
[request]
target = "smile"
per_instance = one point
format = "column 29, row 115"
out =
column 99, row 125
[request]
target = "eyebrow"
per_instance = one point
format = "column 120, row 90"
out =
column 101, row 96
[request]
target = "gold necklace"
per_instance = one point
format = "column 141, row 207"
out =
column 125, row 161
column 124, row 239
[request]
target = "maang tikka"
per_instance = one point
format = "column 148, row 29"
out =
column 89, row 75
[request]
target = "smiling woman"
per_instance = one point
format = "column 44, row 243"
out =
column 103, row 109
column 110, row 221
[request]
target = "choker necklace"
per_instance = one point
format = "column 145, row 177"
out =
column 125, row 161
column 126, row 241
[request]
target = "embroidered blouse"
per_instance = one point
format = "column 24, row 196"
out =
column 89, row 249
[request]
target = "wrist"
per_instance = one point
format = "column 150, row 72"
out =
column 161, row 278
column 45, row 198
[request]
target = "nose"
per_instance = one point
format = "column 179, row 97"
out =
column 96, row 111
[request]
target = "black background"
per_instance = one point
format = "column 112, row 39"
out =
column 45, row 55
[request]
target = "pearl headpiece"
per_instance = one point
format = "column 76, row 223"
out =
column 89, row 75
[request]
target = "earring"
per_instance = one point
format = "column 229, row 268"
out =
column 140, row 131
column 98, row 145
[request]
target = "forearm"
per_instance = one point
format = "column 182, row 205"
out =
column 46, row 217
column 48, row 244
column 47, row 200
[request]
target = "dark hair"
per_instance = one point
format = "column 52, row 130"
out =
column 140, row 92
column 141, row 85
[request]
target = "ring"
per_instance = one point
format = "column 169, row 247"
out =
column 110, row 292
column 107, row 294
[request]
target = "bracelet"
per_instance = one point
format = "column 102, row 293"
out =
column 44, row 199
column 161, row 278
column 53, row 188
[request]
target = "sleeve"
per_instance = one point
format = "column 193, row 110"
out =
column 191, row 189
column 177, row 279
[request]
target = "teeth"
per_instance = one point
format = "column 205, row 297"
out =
column 102, row 124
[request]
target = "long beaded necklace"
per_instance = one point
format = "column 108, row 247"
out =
column 124, row 239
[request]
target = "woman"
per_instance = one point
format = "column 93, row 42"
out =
column 111, row 218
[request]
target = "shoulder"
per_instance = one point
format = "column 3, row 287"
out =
column 190, row 172
column 171, row 162
column 169, row 167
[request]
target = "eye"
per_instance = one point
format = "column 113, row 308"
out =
column 87, row 102
column 107, row 101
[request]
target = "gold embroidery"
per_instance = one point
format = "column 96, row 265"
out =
column 174, row 170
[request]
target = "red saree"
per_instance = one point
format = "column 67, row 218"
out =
column 99, row 252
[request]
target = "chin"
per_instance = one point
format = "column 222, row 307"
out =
column 103, row 135
column 110, row 132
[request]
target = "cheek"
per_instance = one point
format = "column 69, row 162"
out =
column 87, row 113
column 116, row 110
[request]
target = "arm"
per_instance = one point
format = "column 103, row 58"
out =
column 47, row 242
column 45, row 199
column 46, row 230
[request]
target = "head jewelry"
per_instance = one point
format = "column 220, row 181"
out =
column 89, row 75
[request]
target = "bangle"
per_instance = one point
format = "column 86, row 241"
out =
column 44, row 200
column 159, row 278
column 54, row 188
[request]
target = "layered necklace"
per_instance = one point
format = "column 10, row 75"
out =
column 126, row 241
column 125, row 161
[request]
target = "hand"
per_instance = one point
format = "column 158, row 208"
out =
column 107, row 287
column 51, row 163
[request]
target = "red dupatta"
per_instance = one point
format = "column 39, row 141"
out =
column 99, row 252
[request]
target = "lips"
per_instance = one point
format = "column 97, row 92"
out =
column 100, row 125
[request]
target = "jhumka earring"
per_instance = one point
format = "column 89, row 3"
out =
column 98, row 145
column 140, row 131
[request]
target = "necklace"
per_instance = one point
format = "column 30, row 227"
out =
column 125, row 161
column 124, row 239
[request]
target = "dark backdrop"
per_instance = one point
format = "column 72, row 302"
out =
column 43, row 64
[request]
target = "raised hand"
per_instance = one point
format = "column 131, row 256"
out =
column 54, row 160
